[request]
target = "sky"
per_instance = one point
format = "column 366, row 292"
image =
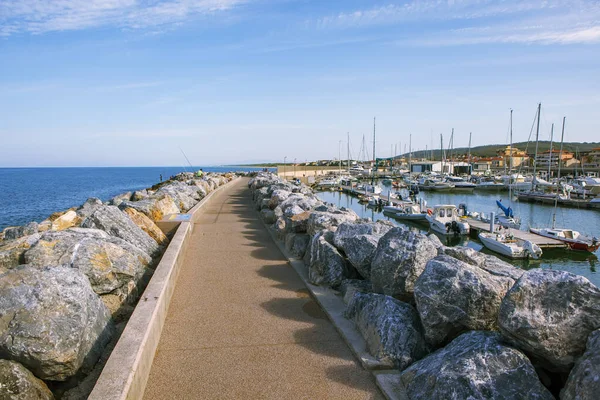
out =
column 139, row 82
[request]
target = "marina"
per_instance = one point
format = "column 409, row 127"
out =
column 556, row 254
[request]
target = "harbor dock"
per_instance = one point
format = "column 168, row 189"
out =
column 543, row 242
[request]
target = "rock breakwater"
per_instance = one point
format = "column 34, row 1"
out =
column 69, row 283
column 454, row 322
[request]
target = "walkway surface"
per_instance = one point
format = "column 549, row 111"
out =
column 241, row 324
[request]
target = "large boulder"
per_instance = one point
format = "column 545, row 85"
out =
column 154, row 208
column 86, row 209
column 297, row 243
column 111, row 264
column 15, row 232
column 400, row 258
column 147, row 225
column 349, row 287
column 278, row 196
column 11, row 252
column 359, row 242
column 51, row 321
column 184, row 195
column 296, row 219
column 453, row 297
column 390, row 327
column 584, row 379
column 327, row 267
column 116, row 223
column 329, row 217
column 489, row 263
column 118, row 199
column 476, row 365
column 17, row 383
column 268, row 216
column 139, row 195
column 66, row 221
column 549, row 314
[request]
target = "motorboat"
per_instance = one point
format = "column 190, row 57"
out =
column 460, row 183
column 407, row 212
column 490, row 185
column 574, row 239
column 327, row 183
column 369, row 189
column 444, row 219
column 429, row 184
column 509, row 246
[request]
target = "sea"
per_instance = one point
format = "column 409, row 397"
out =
column 532, row 215
column 32, row 194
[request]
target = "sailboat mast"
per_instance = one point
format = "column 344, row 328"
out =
column 550, row 159
column 562, row 138
column 348, row 148
column 510, row 184
column 537, row 138
column 452, row 150
column 374, row 157
column 442, row 151
column 409, row 156
column 469, row 153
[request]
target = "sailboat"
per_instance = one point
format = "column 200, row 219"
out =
column 508, row 220
column 574, row 239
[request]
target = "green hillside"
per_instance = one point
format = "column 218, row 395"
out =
column 492, row 149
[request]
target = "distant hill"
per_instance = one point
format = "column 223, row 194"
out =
column 492, row 149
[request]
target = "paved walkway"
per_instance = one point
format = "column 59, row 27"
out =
column 241, row 324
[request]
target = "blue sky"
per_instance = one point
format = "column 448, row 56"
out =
column 128, row 82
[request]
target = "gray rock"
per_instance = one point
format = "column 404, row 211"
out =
column 116, row 223
column 15, row 232
column 279, row 228
column 139, row 195
column 278, row 196
column 118, row 199
column 51, row 321
column 359, row 242
column 330, row 218
column 349, row 287
column 390, row 327
column 549, row 314
column 296, row 219
column 155, row 207
column 89, row 207
column 453, row 297
column 584, row 379
column 110, row 263
column 268, row 216
column 327, row 266
column 400, row 258
column 476, row 365
column 296, row 243
column 487, row 262
column 264, row 204
column 260, row 195
column 17, row 383
column 11, row 252
column 184, row 196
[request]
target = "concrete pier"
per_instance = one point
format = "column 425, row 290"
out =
column 241, row 323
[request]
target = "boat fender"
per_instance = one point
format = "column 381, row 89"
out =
column 429, row 211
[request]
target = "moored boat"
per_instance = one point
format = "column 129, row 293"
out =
column 444, row 219
column 509, row 246
column 574, row 239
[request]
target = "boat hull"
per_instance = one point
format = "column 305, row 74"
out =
column 504, row 249
column 573, row 244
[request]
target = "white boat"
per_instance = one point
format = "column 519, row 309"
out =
column 460, row 183
column 508, row 222
column 490, row 185
column 444, row 219
column 407, row 212
column 329, row 182
column 574, row 239
column 509, row 246
column 429, row 184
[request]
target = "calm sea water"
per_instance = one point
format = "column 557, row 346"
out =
column 532, row 215
column 32, row 194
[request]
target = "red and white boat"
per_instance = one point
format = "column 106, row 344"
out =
column 574, row 239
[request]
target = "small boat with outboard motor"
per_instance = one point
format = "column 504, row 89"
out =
column 444, row 219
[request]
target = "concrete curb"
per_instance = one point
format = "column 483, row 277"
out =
column 126, row 372
column 332, row 304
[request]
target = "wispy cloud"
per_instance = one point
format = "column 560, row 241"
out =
column 481, row 21
column 41, row 16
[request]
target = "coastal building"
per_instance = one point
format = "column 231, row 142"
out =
column 448, row 167
column 513, row 157
column 483, row 164
column 550, row 159
column 591, row 160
